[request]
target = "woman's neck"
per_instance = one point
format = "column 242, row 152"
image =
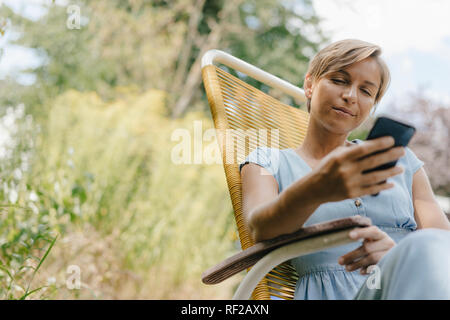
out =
column 318, row 143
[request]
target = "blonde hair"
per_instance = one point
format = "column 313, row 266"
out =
column 343, row 53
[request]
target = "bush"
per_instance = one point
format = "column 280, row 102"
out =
column 105, row 169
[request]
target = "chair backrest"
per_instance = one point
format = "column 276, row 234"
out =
column 242, row 116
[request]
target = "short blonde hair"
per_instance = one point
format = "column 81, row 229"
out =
column 343, row 53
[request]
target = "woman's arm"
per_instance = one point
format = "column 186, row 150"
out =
column 269, row 214
column 427, row 212
column 338, row 176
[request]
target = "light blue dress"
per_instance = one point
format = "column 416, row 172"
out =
column 320, row 275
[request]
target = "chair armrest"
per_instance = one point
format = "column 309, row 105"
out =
column 285, row 253
column 250, row 256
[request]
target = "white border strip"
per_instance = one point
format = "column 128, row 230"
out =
column 214, row 55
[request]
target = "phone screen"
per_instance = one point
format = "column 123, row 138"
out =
column 400, row 131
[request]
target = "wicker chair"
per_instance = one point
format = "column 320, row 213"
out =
column 239, row 110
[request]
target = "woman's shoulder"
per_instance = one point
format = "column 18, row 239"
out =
column 413, row 162
column 267, row 157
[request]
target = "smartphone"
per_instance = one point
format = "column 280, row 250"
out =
column 401, row 131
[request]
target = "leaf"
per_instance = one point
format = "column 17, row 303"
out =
column 37, row 268
column 7, row 272
column 32, row 291
column 46, row 254
column 79, row 191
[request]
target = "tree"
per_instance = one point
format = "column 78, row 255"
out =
column 279, row 37
column 431, row 140
column 159, row 44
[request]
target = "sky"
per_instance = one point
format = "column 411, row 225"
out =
column 414, row 36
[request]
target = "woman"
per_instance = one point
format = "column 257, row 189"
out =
column 322, row 180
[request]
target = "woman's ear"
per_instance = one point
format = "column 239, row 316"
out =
column 307, row 86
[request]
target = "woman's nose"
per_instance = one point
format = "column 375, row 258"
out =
column 350, row 94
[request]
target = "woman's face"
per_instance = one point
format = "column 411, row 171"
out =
column 342, row 100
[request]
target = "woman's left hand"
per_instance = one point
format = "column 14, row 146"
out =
column 375, row 245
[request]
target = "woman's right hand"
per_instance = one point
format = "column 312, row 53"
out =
column 339, row 174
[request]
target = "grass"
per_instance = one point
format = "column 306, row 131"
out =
column 100, row 176
column 35, row 270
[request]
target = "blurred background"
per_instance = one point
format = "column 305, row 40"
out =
column 91, row 204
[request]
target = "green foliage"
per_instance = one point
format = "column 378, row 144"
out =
column 107, row 51
column 25, row 244
column 279, row 37
column 108, row 165
column 24, row 233
column 139, row 43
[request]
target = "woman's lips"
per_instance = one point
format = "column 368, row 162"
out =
column 343, row 111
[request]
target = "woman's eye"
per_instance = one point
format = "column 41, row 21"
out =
column 337, row 81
